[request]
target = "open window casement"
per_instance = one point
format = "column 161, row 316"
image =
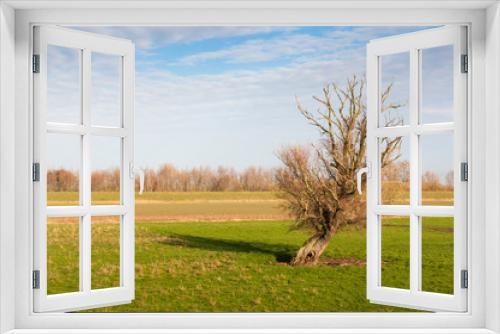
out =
column 405, row 62
column 51, row 45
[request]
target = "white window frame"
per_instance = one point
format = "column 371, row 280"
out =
column 413, row 44
column 86, row 44
column 483, row 18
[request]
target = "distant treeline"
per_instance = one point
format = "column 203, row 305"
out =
column 399, row 173
column 170, row 178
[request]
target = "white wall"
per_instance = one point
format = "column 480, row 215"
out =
column 492, row 189
column 6, row 168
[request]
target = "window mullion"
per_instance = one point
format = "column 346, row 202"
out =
column 85, row 235
column 415, row 244
column 128, row 180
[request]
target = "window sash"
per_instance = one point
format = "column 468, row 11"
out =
column 86, row 297
column 414, row 297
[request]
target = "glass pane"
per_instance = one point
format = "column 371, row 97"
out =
column 394, row 89
column 395, row 257
column 437, row 254
column 63, row 254
column 437, row 169
column 395, row 170
column 63, row 85
column 105, row 252
column 63, row 169
column 106, row 162
column 106, row 102
column 437, row 85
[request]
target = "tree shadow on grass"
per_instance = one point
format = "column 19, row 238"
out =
column 282, row 252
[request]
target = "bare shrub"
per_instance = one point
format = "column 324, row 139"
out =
column 62, row 180
column 431, row 182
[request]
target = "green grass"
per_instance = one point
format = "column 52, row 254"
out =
column 241, row 266
column 395, row 249
column 437, row 254
column 228, row 252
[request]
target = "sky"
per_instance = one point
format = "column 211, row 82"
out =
column 210, row 96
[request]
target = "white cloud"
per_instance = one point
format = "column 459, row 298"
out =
column 265, row 93
column 239, row 117
column 236, row 118
column 258, row 50
column 63, row 89
column 153, row 37
column 288, row 45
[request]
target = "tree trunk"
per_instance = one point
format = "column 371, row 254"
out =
column 312, row 249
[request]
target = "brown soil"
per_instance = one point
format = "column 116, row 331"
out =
column 349, row 261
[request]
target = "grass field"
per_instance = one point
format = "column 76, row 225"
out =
column 184, row 264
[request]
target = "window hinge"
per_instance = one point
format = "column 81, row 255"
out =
column 465, row 64
column 36, row 279
column 36, row 63
column 36, row 172
column 464, row 171
column 464, row 279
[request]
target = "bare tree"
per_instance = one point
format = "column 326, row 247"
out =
column 106, row 179
column 395, row 179
column 398, row 171
column 62, row 180
column 319, row 182
column 430, row 181
column 257, row 179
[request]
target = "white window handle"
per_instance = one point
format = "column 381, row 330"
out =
column 367, row 171
column 137, row 171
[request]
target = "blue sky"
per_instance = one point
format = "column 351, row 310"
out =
column 210, row 96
